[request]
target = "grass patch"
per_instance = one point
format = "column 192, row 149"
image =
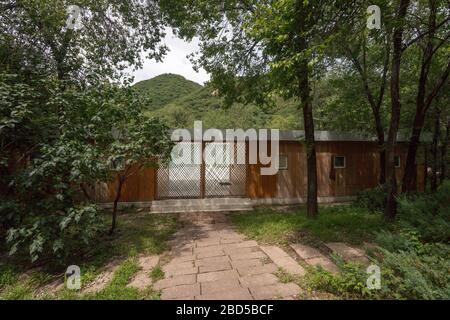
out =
column 136, row 234
column 157, row 273
column 334, row 223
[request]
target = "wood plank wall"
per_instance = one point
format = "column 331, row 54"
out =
column 361, row 172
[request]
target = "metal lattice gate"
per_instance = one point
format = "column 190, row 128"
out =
column 215, row 169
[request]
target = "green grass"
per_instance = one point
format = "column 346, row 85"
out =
column 157, row 273
column 334, row 223
column 136, row 234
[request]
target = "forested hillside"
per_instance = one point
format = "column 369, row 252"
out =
column 179, row 102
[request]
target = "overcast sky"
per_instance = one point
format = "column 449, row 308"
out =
column 174, row 62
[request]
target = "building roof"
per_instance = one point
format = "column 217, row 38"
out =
column 284, row 135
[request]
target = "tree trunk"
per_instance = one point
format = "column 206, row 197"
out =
column 413, row 145
column 116, row 200
column 445, row 142
column 306, row 105
column 437, row 123
column 425, row 168
column 390, row 211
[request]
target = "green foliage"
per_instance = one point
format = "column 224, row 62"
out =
column 350, row 283
column 165, row 88
column 427, row 214
column 179, row 108
column 140, row 234
column 372, row 199
column 334, row 223
column 413, row 256
column 157, row 273
column 56, row 235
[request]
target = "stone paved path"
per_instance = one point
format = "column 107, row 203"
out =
column 347, row 252
column 313, row 257
column 210, row 260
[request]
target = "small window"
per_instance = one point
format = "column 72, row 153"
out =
column 339, row 162
column 397, row 161
column 282, row 162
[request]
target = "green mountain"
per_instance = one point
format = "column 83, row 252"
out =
column 165, row 88
column 180, row 102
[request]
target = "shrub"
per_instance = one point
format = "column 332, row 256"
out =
column 372, row 199
column 58, row 234
column 428, row 214
column 350, row 283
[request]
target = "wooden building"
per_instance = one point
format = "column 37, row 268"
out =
column 346, row 164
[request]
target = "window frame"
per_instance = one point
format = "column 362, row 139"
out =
column 339, row 167
column 399, row 161
column 279, row 162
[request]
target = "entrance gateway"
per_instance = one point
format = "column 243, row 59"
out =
column 225, row 177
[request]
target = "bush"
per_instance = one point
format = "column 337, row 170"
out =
column 350, row 283
column 56, row 235
column 427, row 214
column 372, row 199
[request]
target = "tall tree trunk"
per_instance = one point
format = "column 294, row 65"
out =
column 444, row 147
column 436, row 134
column 306, row 105
column 116, row 200
column 300, row 42
column 390, row 211
column 425, row 167
column 423, row 102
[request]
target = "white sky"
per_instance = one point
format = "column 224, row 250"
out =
column 174, row 62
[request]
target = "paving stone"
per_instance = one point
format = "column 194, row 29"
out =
column 246, row 263
column 140, row 281
column 229, row 241
column 177, row 265
column 243, row 244
column 246, row 256
column 324, row 262
column 279, row 290
column 347, row 252
column 183, row 258
column 210, row 254
column 236, row 294
column 258, row 280
column 148, row 262
column 175, row 281
column 206, row 244
column 236, row 251
column 215, row 248
column 305, row 252
column 217, row 266
column 283, row 260
column 206, row 261
column 179, row 272
column 180, row 291
column 217, row 275
column 219, row 286
column 266, row 268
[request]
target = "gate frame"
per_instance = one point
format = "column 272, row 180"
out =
column 202, row 176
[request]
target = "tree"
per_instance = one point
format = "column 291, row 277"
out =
column 58, row 98
column 391, row 181
column 256, row 50
column 41, row 37
column 369, row 54
column 433, row 38
column 138, row 142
